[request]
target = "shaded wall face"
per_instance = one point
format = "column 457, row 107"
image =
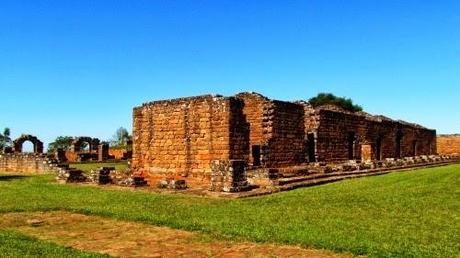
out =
column 417, row 141
column 286, row 145
column 276, row 132
column 181, row 137
column 448, row 144
column 254, row 106
column 336, row 132
column 239, row 131
column 341, row 136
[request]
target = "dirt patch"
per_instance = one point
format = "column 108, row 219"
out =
column 130, row 239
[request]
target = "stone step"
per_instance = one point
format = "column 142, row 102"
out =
column 328, row 179
column 314, row 176
column 292, row 172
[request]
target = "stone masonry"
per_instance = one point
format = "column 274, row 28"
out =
column 181, row 137
column 448, row 144
column 184, row 138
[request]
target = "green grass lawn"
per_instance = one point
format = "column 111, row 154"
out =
column 409, row 214
column 14, row 244
column 87, row 167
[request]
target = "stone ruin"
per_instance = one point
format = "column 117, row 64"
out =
column 97, row 151
column 223, row 143
column 17, row 144
column 448, row 144
column 244, row 142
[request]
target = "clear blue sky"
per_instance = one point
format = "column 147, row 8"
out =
column 79, row 67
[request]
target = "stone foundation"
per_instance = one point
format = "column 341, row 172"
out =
column 228, row 176
column 25, row 163
column 181, row 138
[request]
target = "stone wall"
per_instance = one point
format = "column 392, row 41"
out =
column 255, row 107
column 119, row 154
column 276, row 130
column 448, row 144
column 228, row 176
column 25, row 163
column 343, row 136
column 181, row 137
column 285, row 133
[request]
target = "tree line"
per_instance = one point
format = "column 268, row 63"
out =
column 119, row 140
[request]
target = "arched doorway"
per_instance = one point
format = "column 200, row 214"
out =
column 36, row 143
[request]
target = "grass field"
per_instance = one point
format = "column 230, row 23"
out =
column 13, row 244
column 410, row 214
column 87, row 167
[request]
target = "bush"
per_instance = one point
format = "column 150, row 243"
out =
column 330, row 99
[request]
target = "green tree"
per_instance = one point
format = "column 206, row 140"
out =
column 63, row 142
column 330, row 99
column 5, row 139
column 120, row 138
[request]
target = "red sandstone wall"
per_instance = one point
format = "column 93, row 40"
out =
column 119, row 153
column 239, row 131
column 71, row 156
column 182, row 136
column 448, row 144
column 332, row 143
column 254, row 106
column 277, row 126
column 286, row 134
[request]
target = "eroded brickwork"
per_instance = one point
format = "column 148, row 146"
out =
column 181, row 137
column 276, row 131
column 341, row 135
column 286, row 134
column 448, row 144
column 25, row 163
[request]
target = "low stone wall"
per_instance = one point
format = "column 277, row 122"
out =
column 448, row 144
column 25, row 163
column 120, row 154
column 228, row 176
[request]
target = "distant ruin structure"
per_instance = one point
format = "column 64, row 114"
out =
column 96, row 150
column 192, row 137
column 448, row 144
column 37, row 144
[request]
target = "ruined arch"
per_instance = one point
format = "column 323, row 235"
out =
column 78, row 142
column 38, row 145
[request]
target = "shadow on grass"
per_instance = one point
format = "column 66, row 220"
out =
column 11, row 177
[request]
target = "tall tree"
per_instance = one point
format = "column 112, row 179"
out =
column 63, row 142
column 5, row 139
column 120, row 138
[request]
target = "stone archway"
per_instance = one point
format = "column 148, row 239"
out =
column 38, row 145
column 78, row 142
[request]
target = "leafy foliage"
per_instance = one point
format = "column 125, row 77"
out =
column 63, row 142
column 330, row 99
column 120, row 138
column 5, row 139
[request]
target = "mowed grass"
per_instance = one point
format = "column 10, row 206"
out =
column 87, row 167
column 14, row 244
column 408, row 214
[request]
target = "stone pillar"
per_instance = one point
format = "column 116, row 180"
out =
column 38, row 147
column 366, row 152
column 228, row 176
column 60, row 155
column 103, row 152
